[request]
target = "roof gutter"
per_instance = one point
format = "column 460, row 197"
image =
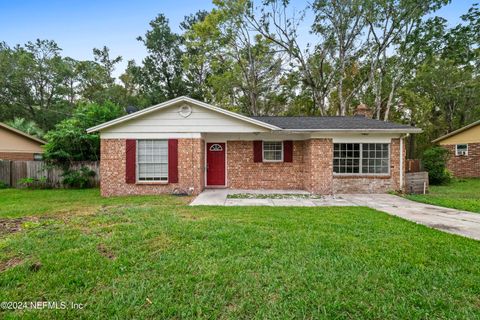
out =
column 412, row 130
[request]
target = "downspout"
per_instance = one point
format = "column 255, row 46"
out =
column 192, row 187
column 401, row 163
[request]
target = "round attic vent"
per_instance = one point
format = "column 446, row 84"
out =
column 185, row 110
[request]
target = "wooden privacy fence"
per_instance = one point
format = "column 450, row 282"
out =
column 413, row 165
column 416, row 182
column 12, row 172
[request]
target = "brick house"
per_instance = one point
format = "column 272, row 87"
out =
column 184, row 145
column 17, row 145
column 464, row 150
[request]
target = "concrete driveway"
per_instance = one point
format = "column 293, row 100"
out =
column 449, row 220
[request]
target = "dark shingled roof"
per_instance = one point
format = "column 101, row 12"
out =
column 333, row 123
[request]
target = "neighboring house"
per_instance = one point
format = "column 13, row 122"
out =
column 184, row 145
column 464, row 150
column 17, row 145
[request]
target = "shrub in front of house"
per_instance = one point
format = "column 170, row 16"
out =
column 81, row 178
column 34, row 183
column 434, row 161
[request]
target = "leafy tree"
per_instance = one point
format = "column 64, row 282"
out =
column 195, row 59
column 26, row 126
column 69, row 141
column 102, row 57
column 442, row 93
column 392, row 45
column 39, row 85
column 161, row 76
column 309, row 64
column 33, row 83
column 341, row 24
column 245, row 69
column 246, row 56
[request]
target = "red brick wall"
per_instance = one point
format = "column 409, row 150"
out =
column 464, row 166
column 16, row 156
column 112, row 170
column 318, row 174
column 374, row 184
column 311, row 170
column 243, row 173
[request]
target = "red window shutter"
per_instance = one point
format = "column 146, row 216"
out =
column 173, row 160
column 287, row 151
column 257, row 151
column 131, row 159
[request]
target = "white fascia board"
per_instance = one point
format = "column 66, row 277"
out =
column 150, row 135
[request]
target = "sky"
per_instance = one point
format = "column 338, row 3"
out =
column 78, row 26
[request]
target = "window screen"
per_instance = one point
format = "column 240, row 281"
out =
column 361, row 158
column 375, row 158
column 346, row 158
column 272, row 151
column 152, row 160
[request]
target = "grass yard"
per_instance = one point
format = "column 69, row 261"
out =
column 155, row 257
column 461, row 194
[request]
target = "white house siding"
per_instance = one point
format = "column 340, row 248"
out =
column 168, row 120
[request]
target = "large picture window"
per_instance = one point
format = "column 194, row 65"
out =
column 361, row 158
column 152, row 160
column 272, row 151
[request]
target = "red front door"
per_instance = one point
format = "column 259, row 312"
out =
column 215, row 164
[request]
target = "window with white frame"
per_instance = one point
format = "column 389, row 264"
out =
column 361, row 158
column 375, row 158
column 152, row 160
column 272, row 151
column 461, row 150
column 346, row 158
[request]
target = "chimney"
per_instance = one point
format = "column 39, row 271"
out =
column 363, row 111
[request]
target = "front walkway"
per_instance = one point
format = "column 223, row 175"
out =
column 218, row 197
column 449, row 220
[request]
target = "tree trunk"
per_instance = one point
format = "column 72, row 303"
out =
column 378, row 96
column 390, row 99
column 341, row 98
column 411, row 147
column 378, row 91
column 318, row 102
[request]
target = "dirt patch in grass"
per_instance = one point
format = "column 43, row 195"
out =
column 8, row 226
column 5, row 265
column 189, row 217
column 104, row 251
column 159, row 243
column 188, row 214
column 34, row 267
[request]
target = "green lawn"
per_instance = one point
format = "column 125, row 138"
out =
column 460, row 194
column 154, row 257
